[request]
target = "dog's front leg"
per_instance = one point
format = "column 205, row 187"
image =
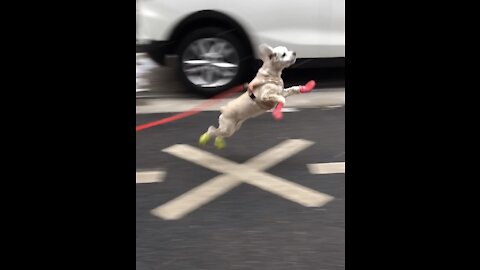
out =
column 268, row 96
column 301, row 89
column 277, row 112
column 291, row 91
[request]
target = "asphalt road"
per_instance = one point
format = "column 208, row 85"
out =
column 244, row 226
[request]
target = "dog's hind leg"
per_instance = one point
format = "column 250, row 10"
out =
column 211, row 132
column 239, row 125
column 226, row 128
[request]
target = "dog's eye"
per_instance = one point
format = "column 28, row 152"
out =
column 284, row 54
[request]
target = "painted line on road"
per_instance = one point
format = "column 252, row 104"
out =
column 142, row 90
column 217, row 186
column 282, row 187
column 287, row 110
column 147, row 177
column 234, row 174
column 326, row 168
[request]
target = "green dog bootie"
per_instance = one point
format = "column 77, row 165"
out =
column 219, row 142
column 203, row 139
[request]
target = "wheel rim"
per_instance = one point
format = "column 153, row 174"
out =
column 210, row 62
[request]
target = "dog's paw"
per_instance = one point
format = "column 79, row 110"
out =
column 203, row 139
column 307, row 87
column 277, row 115
column 219, row 143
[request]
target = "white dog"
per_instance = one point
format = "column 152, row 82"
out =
column 264, row 93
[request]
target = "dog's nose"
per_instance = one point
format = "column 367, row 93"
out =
column 294, row 54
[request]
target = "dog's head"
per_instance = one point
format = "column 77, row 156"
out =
column 278, row 57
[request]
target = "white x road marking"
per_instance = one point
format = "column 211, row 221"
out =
column 234, row 174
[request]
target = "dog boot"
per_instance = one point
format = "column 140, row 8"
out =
column 277, row 112
column 203, row 139
column 219, row 143
column 308, row 87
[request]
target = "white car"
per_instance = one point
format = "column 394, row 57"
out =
column 216, row 41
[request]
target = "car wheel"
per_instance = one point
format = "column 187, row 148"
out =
column 212, row 60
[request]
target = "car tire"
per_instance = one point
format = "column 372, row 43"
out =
column 212, row 60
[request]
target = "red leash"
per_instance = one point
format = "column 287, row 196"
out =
column 194, row 110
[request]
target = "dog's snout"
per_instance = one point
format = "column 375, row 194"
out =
column 294, row 54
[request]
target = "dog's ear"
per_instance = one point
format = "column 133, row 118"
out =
column 266, row 52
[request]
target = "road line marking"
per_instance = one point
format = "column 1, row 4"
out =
column 290, row 110
column 217, row 186
column 289, row 190
column 234, row 174
column 150, row 177
column 278, row 153
column 196, row 198
column 287, row 109
column 326, row 168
